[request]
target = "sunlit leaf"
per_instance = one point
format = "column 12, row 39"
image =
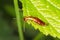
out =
column 46, row 10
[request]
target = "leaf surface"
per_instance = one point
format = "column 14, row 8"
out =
column 46, row 10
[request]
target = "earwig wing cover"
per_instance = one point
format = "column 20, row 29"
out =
column 46, row 10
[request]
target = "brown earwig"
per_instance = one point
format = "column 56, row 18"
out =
column 35, row 19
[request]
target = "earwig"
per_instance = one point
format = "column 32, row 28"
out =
column 35, row 19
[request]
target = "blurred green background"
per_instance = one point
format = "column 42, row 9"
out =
column 8, row 27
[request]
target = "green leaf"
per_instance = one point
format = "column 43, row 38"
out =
column 46, row 10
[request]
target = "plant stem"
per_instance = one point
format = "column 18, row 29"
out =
column 18, row 18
